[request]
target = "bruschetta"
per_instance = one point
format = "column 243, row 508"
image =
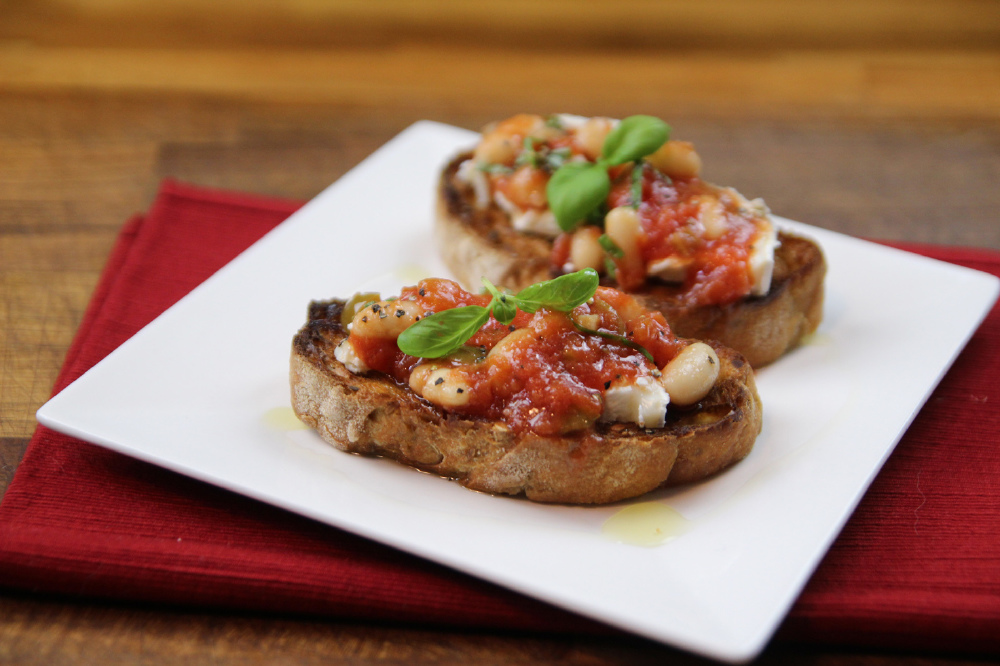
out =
column 565, row 393
column 527, row 204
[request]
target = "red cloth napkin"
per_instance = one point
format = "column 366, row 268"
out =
column 917, row 566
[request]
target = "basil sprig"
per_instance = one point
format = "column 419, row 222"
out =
column 503, row 306
column 576, row 189
column 635, row 137
column 444, row 332
column 440, row 334
column 562, row 294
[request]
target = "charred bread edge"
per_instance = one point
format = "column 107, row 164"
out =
column 373, row 415
column 475, row 242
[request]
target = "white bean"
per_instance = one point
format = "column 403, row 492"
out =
column 677, row 159
column 385, row 319
column 712, row 216
column 591, row 321
column 526, row 187
column 497, row 148
column 622, row 226
column 509, row 341
column 502, row 142
column 628, row 308
column 691, row 374
column 585, row 250
column 442, row 386
column 591, row 135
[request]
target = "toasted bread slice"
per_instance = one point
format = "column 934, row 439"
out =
column 476, row 242
column 373, row 415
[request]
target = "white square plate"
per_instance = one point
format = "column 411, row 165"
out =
column 733, row 552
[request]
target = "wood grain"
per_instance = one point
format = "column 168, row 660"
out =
column 875, row 118
column 527, row 24
column 865, row 84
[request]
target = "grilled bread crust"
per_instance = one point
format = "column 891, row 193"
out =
column 476, row 243
column 373, row 415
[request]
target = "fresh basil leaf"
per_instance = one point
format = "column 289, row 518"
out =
column 443, row 332
column 636, row 193
column 495, row 168
column 557, row 157
column 610, row 246
column 563, row 293
column 503, row 307
column 576, row 189
column 528, row 156
column 634, row 137
column 596, row 216
column 504, row 311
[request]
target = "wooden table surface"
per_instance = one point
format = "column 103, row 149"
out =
column 878, row 118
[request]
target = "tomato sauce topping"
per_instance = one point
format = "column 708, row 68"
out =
column 698, row 223
column 700, row 230
column 540, row 373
